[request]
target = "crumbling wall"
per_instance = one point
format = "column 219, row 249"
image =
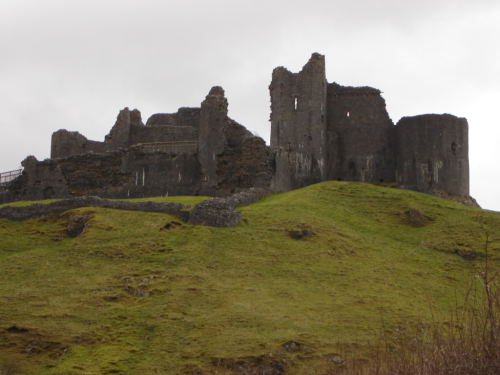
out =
column 194, row 151
column 319, row 131
column 105, row 175
column 178, row 147
column 39, row 180
column 432, row 154
column 185, row 116
column 211, row 140
column 245, row 162
column 161, row 172
column 120, row 134
column 221, row 212
column 18, row 213
column 164, row 133
column 360, row 146
column 136, row 172
column 298, row 124
column 65, row 143
column 181, row 126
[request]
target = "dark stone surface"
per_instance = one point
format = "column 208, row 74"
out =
column 65, row 144
column 76, row 225
column 245, row 162
column 220, row 212
column 211, row 143
column 300, row 234
column 37, row 210
column 185, row 116
column 414, row 217
column 120, row 134
column 194, row 151
column 432, row 154
column 358, row 137
column 298, row 124
column 357, row 141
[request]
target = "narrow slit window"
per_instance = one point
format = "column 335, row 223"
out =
column 348, row 114
column 295, row 103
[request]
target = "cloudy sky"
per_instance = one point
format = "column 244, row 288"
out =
column 74, row 63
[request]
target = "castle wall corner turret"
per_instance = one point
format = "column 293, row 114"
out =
column 432, row 154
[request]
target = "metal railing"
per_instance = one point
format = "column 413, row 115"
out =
column 6, row 177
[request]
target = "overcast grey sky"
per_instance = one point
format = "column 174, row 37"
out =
column 74, row 63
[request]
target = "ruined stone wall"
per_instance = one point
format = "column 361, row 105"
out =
column 165, row 133
column 129, row 130
column 120, row 134
column 65, row 144
column 194, row 151
column 126, row 173
column 185, row 116
column 245, row 162
column 298, row 124
column 432, row 154
column 360, row 146
column 211, row 139
column 160, row 173
column 39, row 180
column 179, row 147
column 319, row 131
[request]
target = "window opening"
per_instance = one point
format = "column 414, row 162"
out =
column 454, row 148
column 295, row 103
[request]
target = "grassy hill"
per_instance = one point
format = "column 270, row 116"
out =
column 326, row 267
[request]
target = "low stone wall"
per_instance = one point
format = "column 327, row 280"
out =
column 220, row 212
column 39, row 209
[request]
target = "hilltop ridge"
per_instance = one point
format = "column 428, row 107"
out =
column 333, row 263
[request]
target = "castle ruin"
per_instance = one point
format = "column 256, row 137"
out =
column 319, row 131
column 324, row 131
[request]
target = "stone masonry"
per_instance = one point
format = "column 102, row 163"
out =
column 325, row 131
column 319, row 131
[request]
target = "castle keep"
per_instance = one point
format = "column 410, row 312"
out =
column 319, row 131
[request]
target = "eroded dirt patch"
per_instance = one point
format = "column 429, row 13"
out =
column 254, row 365
column 31, row 342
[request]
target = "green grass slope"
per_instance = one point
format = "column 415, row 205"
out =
column 128, row 297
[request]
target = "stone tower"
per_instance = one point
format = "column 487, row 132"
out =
column 298, row 124
column 213, row 118
column 432, row 154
